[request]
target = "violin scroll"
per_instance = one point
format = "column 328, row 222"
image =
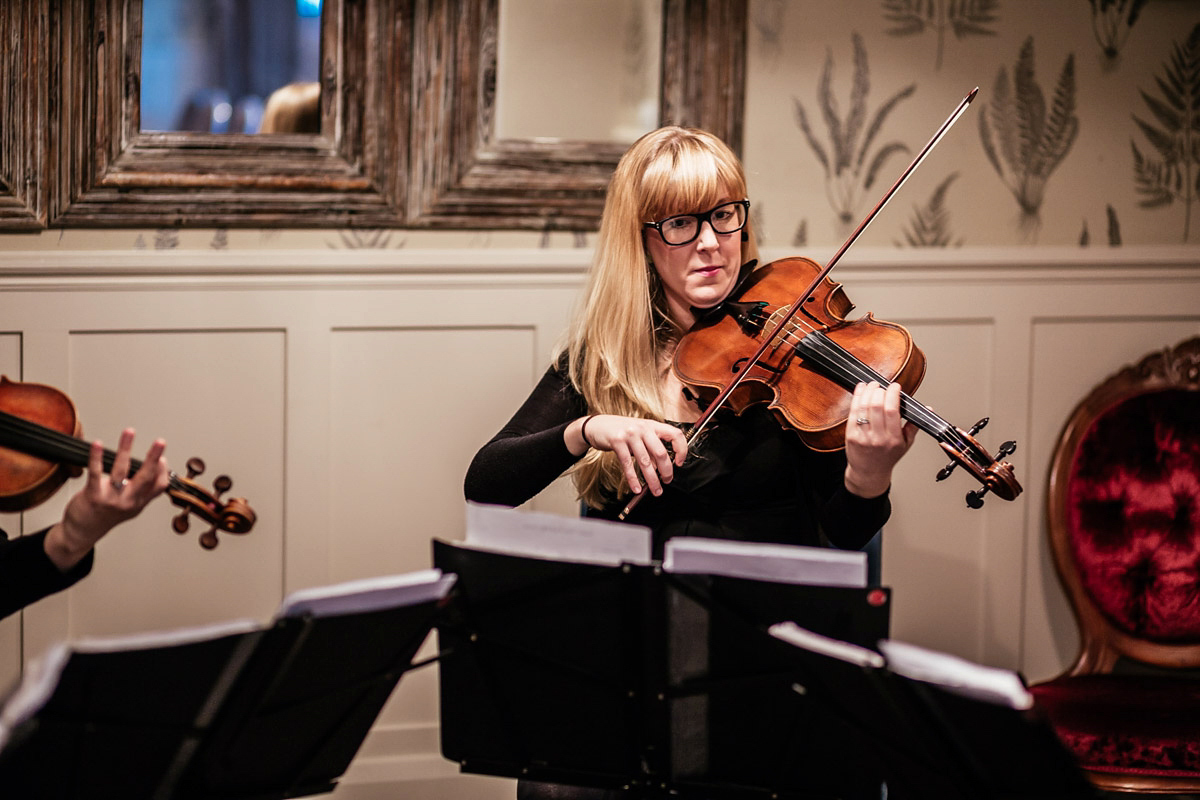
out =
column 232, row 516
column 994, row 474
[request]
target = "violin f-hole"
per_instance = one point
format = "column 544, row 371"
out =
column 737, row 366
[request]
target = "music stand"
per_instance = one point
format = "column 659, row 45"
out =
column 939, row 726
column 250, row 712
column 612, row 676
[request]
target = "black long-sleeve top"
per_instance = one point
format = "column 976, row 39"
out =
column 27, row 574
column 746, row 479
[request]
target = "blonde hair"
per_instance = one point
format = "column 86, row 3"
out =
column 294, row 108
column 621, row 332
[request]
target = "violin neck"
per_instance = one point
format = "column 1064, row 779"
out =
column 830, row 359
column 48, row 444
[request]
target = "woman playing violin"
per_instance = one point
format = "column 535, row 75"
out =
column 675, row 240
column 42, row 563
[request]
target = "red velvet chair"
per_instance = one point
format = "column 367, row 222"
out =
column 1123, row 510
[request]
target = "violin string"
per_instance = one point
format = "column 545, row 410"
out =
column 849, row 368
column 57, row 446
column 47, row 442
column 845, row 364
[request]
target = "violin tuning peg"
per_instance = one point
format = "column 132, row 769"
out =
column 1007, row 449
column 978, row 426
column 945, row 471
column 975, row 499
column 179, row 522
column 195, row 466
column 222, row 484
column 208, row 539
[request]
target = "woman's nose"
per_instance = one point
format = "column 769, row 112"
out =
column 708, row 235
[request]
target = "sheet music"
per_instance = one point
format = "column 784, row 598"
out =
column 792, row 633
column 780, row 563
column 537, row 534
column 954, row 674
column 41, row 677
column 368, row 594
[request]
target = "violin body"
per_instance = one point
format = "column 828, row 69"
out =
column 27, row 480
column 809, row 402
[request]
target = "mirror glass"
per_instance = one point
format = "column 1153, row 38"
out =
column 213, row 66
column 587, row 70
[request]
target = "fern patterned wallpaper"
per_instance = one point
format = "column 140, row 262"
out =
column 1085, row 131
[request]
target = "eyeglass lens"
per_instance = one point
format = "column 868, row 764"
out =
column 683, row 228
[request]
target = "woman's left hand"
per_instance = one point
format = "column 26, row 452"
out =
column 105, row 501
column 877, row 437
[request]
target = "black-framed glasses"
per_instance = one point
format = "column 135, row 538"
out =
column 684, row 228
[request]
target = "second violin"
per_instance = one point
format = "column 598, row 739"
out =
column 40, row 448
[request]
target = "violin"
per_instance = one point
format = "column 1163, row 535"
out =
column 803, row 358
column 40, row 448
column 814, row 360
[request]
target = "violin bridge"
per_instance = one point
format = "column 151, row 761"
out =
column 749, row 315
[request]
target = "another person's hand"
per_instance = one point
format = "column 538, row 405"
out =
column 640, row 445
column 105, row 501
column 877, row 437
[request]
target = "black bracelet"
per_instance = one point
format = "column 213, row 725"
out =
column 583, row 430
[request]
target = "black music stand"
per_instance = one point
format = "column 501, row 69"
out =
column 652, row 685
column 628, row 678
column 242, row 711
column 946, row 732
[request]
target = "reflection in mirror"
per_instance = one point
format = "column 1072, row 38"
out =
column 594, row 74
column 212, row 65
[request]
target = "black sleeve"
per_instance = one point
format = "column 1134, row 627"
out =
column 847, row 520
column 27, row 574
column 528, row 453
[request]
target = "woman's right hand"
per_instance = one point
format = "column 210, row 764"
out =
column 640, row 445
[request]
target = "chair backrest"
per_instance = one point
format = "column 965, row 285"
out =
column 1123, row 514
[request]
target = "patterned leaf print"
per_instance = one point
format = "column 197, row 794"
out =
column 1112, row 20
column 1170, row 171
column 962, row 17
column 1023, row 140
column 851, row 164
column 930, row 224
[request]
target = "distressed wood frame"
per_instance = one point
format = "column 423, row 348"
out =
column 408, row 140
column 23, row 96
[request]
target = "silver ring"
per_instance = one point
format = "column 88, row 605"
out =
column 119, row 485
column 863, row 421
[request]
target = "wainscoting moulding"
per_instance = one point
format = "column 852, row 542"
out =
column 313, row 267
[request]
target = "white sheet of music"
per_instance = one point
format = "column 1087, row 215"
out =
column 368, row 594
column 780, row 563
column 536, row 534
column 954, row 674
column 793, row 634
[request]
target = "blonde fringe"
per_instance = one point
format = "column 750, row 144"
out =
column 619, row 334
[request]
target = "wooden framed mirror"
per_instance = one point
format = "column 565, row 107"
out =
column 23, row 98
column 407, row 126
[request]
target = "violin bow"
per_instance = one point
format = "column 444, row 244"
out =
column 720, row 399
